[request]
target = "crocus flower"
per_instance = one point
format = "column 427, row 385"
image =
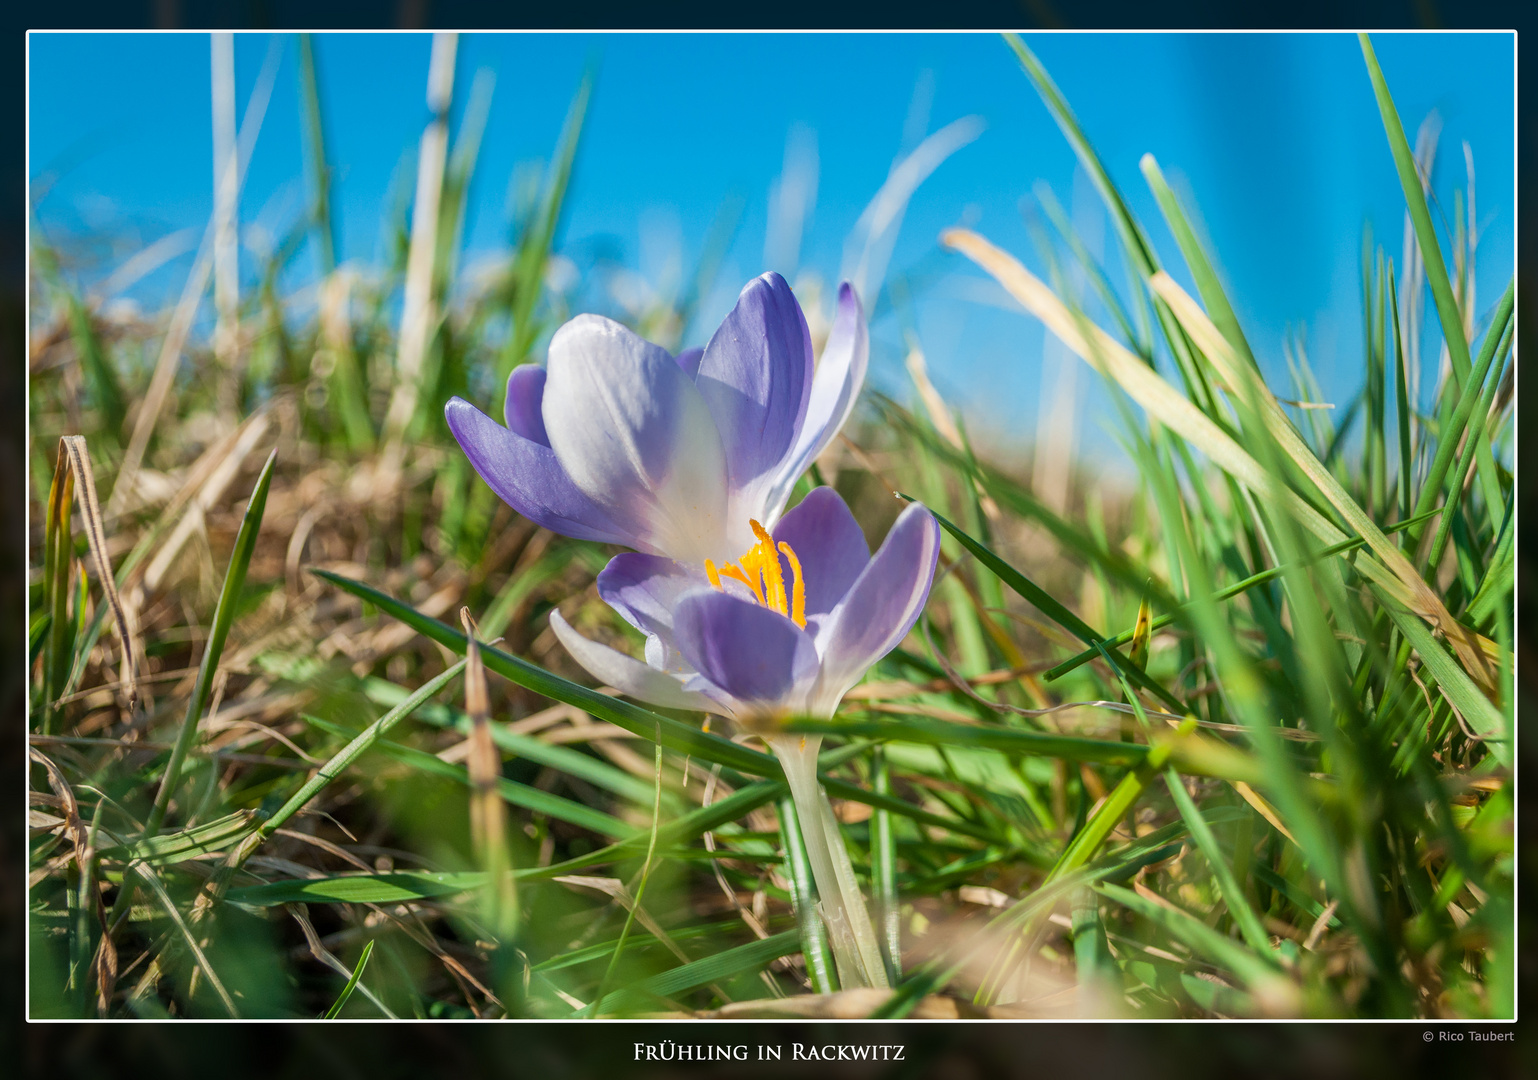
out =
column 618, row 441
column 748, row 612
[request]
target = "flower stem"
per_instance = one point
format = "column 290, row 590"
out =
column 855, row 949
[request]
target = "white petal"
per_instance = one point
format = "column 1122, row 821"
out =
column 634, row 434
column 627, row 675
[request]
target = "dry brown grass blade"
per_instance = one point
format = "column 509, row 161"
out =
column 417, row 314
column 67, row 803
column 221, row 472
column 318, row 950
column 192, row 295
column 488, row 812
column 1424, row 601
column 165, row 373
column 90, row 511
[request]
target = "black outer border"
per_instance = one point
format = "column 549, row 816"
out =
column 1003, row 1050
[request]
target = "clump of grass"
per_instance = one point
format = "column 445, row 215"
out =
column 1234, row 740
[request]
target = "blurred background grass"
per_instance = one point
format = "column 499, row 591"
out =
column 1339, row 843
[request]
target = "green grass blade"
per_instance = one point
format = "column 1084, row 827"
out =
column 320, row 169
column 1208, row 284
column 1474, row 439
column 534, row 248
column 1477, row 709
column 352, row 983
column 187, row 844
column 1448, row 436
column 1096, row 968
column 399, row 887
column 1261, row 978
column 1233, row 895
column 355, row 749
column 530, row 798
column 685, row 977
column 224, row 616
column 676, row 735
column 1401, row 400
column 883, row 856
column 1420, row 218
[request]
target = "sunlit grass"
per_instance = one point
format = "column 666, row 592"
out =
column 1233, row 739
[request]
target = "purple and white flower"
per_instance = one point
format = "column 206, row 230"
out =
column 749, row 612
column 619, row 441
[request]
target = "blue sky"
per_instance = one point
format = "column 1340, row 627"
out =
column 1275, row 137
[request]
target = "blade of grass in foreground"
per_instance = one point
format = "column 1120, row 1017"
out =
column 224, row 616
column 352, row 983
column 676, row 735
column 675, row 981
column 530, row 798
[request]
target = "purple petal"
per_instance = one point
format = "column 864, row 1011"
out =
column 636, row 438
column 835, row 389
column 755, row 376
column 527, row 477
column 753, row 653
column 882, row 605
column 627, row 675
column 525, row 399
column 644, row 589
column 829, row 544
column 689, row 360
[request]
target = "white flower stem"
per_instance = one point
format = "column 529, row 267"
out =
column 850, row 932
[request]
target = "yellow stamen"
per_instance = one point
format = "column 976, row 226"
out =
column 769, row 565
column 732, row 570
column 759, row 569
column 798, row 590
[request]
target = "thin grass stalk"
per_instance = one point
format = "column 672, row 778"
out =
column 322, row 224
column 417, row 315
column 883, row 857
column 488, row 813
column 219, row 628
column 1460, row 473
column 539, row 235
column 1425, row 234
column 1448, row 434
column 59, row 547
column 1401, row 403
